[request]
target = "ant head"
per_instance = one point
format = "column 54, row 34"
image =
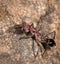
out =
column 50, row 39
column 51, row 42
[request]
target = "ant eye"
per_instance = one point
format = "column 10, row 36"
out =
column 51, row 42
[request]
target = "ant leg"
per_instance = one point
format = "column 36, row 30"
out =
column 39, row 45
column 43, row 53
column 54, row 35
column 35, row 55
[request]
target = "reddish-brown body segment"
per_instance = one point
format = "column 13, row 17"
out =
column 33, row 30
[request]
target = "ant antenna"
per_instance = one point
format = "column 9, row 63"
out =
column 53, row 33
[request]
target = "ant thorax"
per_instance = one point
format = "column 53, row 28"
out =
column 26, row 27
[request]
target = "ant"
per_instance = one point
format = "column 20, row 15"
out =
column 36, row 36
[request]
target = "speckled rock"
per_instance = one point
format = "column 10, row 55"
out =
column 44, row 14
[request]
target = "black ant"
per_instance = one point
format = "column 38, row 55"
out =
column 31, row 32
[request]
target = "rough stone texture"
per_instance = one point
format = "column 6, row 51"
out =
column 44, row 12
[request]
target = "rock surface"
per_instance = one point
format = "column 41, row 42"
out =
column 44, row 14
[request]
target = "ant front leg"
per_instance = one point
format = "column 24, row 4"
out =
column 43, row 53
column 39, row 44
column 33, row 47
column 35, row 54
column 39, row 48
